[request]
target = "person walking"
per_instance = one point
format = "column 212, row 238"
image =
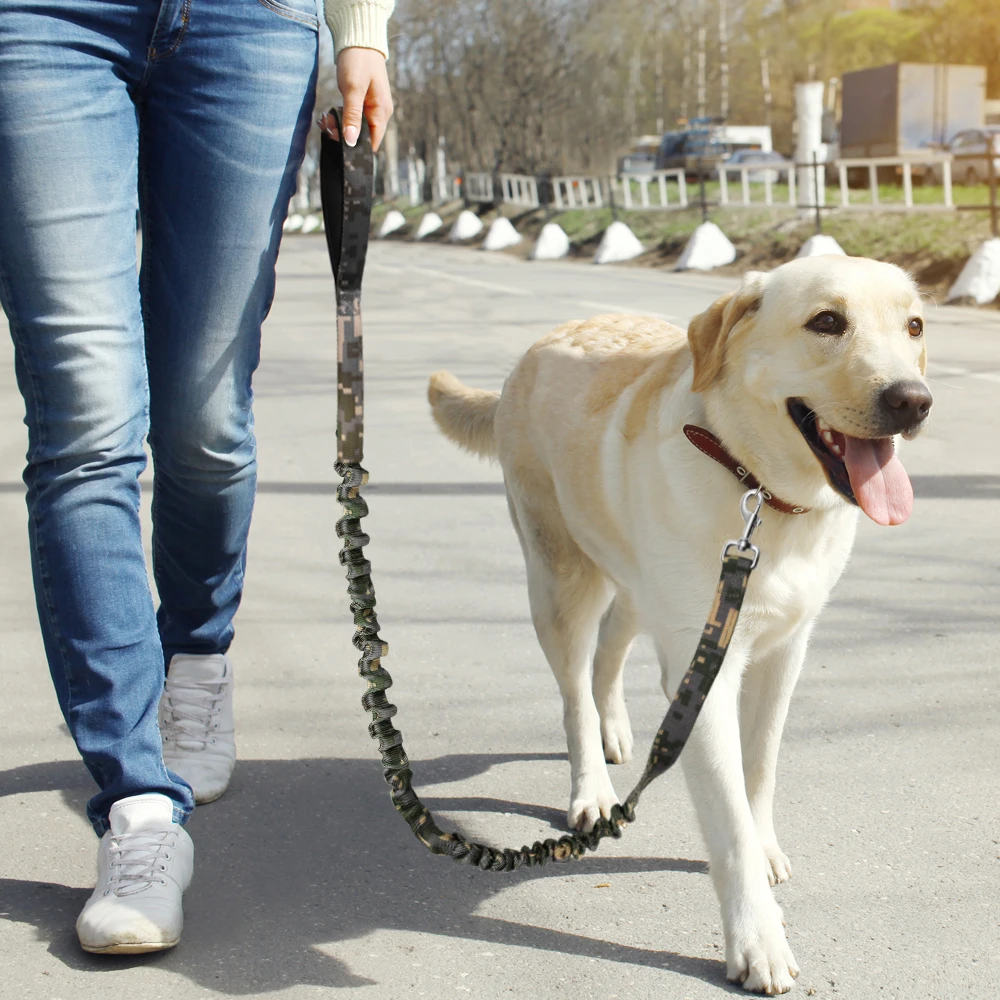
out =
column 195, row 112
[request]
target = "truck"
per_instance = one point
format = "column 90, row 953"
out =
column 906, row 108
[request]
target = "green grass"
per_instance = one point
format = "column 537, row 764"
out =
column 889, row 194
column 933, row 245
column 413, row 213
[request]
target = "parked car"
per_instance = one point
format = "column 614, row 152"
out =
column 641, row 158
column 763, row 163
column 969, row 157
column 688, row 149
column 637, row 162
column 705, row 144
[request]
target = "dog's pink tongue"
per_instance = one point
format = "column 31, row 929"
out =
column 880, row 483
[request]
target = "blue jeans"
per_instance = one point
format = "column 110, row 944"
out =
column 196, row 113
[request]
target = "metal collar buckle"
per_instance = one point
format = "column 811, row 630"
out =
column 751, row 518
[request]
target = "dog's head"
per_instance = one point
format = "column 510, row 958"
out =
column 813, row 369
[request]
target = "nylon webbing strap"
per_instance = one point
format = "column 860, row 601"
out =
column 346, row 189
column 346, row 177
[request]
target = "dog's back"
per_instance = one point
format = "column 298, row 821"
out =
column 565, row 385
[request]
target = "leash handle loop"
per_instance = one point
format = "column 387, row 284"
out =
column 346, row 175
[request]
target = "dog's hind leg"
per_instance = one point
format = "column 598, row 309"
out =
column 767, row 689
column 567, row 594
column 614, row 640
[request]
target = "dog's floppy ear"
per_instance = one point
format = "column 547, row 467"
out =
column 709, row 331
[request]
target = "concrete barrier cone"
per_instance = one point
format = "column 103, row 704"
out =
column 430, row 223
column 980, row 278
column 467, row 226
column 708, row 247
column 502, row 234
column 617, row 244
column 293, row 224
column 312, row 223
column 552, row 243
column 819, row 245
column 394, row 221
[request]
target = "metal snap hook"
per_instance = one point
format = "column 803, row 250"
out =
column 751, row 519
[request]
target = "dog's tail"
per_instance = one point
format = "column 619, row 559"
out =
column 465, row 416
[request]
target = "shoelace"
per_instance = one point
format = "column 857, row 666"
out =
column 192, row 713
column 137, row 861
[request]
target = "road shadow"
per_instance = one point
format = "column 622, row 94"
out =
column 302, row 853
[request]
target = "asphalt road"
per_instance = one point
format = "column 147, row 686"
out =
column 307, row 883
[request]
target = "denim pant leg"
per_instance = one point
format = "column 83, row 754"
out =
column 68, row 163
column 223, row 122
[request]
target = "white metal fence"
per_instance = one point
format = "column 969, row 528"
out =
column 479, row 188
column 629, row 187
column 739, row 186
column 577, row 192
column 936, row 165
column 520, row 190
column 766, row 177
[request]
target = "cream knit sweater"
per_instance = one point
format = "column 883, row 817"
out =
column 362, row 23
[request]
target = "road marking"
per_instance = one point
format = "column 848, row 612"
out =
column 614, row 307
column 943, row 371
column 474, row 282
column 512, row 290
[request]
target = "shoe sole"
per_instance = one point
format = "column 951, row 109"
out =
column 130, row 947
column 203, row 800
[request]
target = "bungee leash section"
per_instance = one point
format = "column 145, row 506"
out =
column 346, row 186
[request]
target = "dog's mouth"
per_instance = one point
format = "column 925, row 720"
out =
column 865, row 471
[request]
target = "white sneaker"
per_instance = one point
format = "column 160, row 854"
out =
column 196, row 723
column 144, row 864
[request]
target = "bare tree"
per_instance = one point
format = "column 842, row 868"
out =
column 702, row 36
column 723, row 63
column 535, row 85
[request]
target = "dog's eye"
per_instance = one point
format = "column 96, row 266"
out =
column 915, row 326
column 827, row 322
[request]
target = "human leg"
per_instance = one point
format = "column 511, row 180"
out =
column 68, row 158
column 224, row 117
column 223, row 125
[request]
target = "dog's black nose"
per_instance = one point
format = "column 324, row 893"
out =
column 906, row 404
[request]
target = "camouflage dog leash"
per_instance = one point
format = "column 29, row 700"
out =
column 346, row 183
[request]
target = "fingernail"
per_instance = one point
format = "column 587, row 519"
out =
column 351, row 135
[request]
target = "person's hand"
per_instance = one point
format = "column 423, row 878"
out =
column 363, row 81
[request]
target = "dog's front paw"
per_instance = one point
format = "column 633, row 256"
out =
column 779, row 868
column 592, row 798
column 616, row 732
column 759, row 957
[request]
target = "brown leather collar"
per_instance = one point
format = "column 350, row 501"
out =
column 705, row 441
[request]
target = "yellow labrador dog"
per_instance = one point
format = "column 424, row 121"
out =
column 623, row 442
